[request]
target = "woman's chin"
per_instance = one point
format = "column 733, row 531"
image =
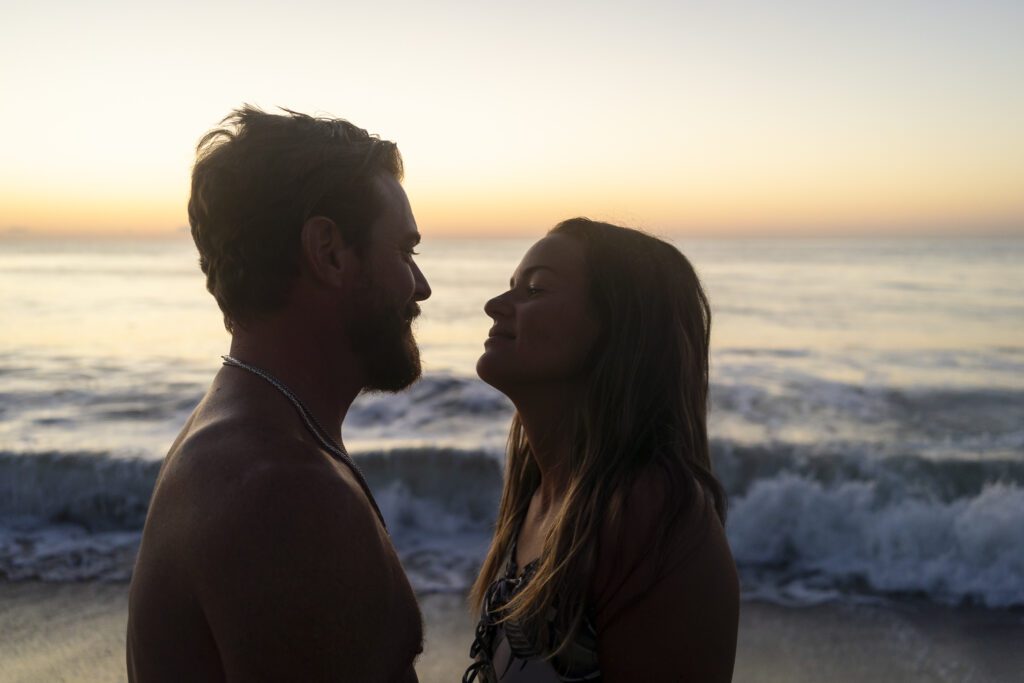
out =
column 495, row 368
column 486, row 370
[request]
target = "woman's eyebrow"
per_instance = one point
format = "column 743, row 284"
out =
column 529, row 271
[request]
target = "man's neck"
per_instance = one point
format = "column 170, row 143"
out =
column 325, row 376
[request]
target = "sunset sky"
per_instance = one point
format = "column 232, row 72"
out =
column 685, row 117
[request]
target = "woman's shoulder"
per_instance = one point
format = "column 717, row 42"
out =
column 666, row 587
column 661, row 526
column 658, row 511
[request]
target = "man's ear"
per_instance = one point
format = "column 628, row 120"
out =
column 326, row 255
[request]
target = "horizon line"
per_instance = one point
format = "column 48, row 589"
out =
column 15, row 233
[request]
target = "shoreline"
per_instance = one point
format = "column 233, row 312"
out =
column 75, row 632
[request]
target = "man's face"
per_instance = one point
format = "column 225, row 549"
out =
column 392, row 285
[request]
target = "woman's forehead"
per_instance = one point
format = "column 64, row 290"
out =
column 558, row 253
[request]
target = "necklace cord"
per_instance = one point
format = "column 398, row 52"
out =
column 313, row 426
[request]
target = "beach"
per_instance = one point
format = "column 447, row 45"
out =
column 74, row 632
column 864, row 421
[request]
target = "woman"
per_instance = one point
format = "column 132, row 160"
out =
column 609, row 560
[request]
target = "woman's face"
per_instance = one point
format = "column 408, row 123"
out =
column 543, row 326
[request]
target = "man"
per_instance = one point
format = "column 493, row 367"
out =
column 264, row 557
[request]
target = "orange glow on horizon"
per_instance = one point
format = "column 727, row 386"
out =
column 769, row 211
column 682, row 118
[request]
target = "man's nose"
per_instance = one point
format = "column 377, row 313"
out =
column 422, row 291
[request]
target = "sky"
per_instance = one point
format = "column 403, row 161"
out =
column 691, row 118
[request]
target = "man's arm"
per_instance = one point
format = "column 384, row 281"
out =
column 298, row 582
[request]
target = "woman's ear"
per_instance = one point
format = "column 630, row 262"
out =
column 327, row 256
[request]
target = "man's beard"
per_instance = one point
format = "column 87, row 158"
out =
column 384, row 342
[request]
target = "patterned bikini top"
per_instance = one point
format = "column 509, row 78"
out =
column 510, row 651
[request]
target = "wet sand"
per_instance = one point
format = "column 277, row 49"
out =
column 75, row 633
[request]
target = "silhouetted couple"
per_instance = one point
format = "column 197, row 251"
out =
column 265, row 557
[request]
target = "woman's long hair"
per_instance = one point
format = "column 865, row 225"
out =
column 644, row 405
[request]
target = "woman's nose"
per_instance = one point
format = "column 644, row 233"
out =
column 497, row 306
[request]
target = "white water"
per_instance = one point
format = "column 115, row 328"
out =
column 867, row 411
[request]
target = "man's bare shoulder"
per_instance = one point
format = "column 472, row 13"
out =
column 238, row 467
column 286, row 556
column 264, row 507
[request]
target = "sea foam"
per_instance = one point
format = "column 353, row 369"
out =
column 802, row 528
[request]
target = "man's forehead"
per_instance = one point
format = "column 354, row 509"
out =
column 390, row 193
column 397, row 229
column 396, row 218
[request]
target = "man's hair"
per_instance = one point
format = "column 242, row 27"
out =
column 256, row 181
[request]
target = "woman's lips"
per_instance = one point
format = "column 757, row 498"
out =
column 499, row 335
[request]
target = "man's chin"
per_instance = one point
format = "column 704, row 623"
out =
column 397, row 375
column 392, row 385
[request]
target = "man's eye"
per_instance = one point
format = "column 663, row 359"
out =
column 531, row 290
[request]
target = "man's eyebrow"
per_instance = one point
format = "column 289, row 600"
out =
column 529, row 271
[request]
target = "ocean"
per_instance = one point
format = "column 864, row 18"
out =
column 867, row 411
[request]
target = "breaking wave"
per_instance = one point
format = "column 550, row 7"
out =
column 803, row 528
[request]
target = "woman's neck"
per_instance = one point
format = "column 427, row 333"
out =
column 548, row 427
